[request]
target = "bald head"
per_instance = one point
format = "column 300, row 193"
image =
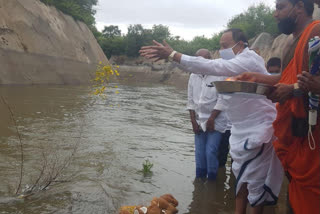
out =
column 205, row 53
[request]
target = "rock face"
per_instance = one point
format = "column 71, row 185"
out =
column 41, row 45
column 268, row 47
column 262, row 44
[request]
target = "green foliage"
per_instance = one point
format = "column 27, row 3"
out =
column 255, row 20
column 79, row 9
column 97, row 34
column 111, row 31
column 160, row 32
column 113, row 45
column 190, row 47
column 137, row 36
column 146, row 167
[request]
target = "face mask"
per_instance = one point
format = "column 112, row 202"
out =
column 287, row 25
column 227, row 53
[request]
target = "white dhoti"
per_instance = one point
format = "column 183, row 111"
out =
column 254, row 158
column 261, row 169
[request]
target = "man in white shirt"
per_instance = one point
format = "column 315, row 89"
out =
column 257, row 169
column 208, row 122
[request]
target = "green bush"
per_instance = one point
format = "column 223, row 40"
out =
column 81, row 10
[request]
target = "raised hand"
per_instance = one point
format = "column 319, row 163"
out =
column 157, row 51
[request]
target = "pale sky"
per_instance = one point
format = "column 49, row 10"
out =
column 185, row 18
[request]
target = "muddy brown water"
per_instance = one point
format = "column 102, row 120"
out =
column 114, row 137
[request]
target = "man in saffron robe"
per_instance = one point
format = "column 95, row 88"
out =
column 300, row 160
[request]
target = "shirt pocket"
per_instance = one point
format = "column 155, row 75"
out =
column 210, row 93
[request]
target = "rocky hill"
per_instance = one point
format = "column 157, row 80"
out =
column 41, row 45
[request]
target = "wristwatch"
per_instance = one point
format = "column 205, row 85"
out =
column 170, row 57
column 297, row 92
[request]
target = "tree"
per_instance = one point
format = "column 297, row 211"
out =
column 255, row 20
column 160, row 32
column 137, row 37
column 111, row 31
column 113, row 46
column 79, row 9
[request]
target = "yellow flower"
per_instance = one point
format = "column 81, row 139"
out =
column 102, row 78
column 96, row 92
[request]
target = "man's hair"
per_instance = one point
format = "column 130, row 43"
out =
column 308, row 5
column 238, row 35
column 274, row 61
column 205, row 53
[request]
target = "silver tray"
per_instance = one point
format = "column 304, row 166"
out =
column 242, row 87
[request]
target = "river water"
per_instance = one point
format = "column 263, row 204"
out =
column 111, row 138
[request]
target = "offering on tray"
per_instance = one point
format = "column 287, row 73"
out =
column 232, row 86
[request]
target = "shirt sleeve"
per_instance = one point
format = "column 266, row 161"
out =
column 218, row 67
column 190, row 104
column 181, row 67
column 221, row 104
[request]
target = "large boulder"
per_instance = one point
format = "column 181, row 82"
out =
column 41, row 45
column 262, row 44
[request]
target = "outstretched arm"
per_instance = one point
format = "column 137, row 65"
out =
column 159, row 51
column 199, row 65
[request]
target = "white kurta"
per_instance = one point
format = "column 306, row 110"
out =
column 255, row 162
column 203, row 98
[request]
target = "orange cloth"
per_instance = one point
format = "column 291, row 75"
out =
column 302, row 163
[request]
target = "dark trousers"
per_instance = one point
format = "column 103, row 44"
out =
column 224, row 148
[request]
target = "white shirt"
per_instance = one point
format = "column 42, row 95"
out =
column 251, row 116
column 203, row 98
column 246, row 61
